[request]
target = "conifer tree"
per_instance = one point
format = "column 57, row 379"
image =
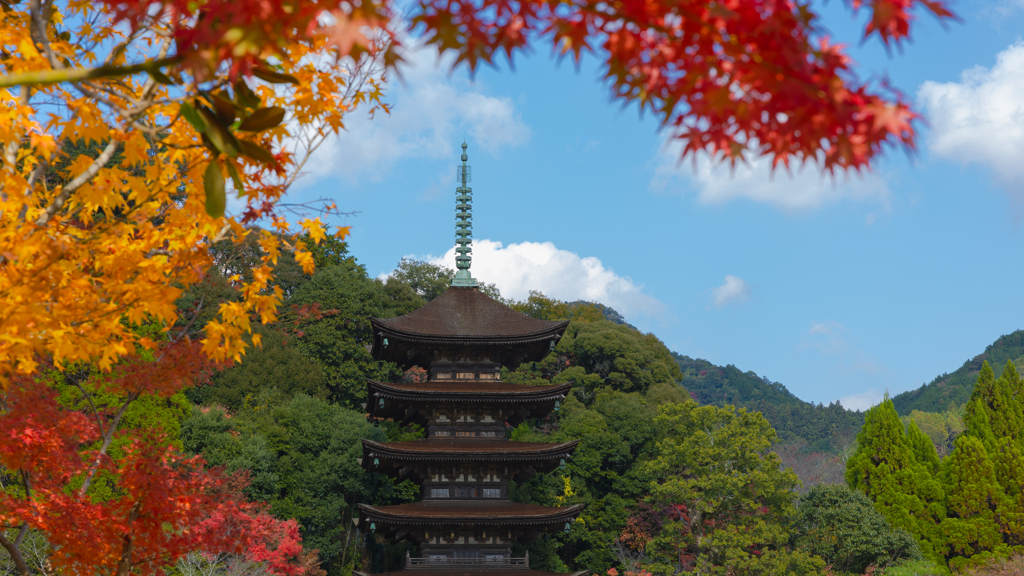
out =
column 996, row 398
column 1009, row 469
column 885, row 470
column 922, row 448
column 973, row 497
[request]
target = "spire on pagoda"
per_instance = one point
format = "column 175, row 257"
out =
column 464, row 225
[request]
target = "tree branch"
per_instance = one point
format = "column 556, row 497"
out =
column 108, row 437
column 45, row 77
column 79, row 181
column 19, row 562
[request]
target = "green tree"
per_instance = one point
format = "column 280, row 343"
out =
column 1009, row 469
column 301, row 454
column 843, row 528
column 427, row 280
column 885, row 468
column 995, row 396
column 277, row 363
column 338, row 341
column 922, row 448
column 973, row 497
column 714, row 465
column 540, row 306
column 602, row 354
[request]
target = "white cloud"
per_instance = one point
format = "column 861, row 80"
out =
column 518, row 268
column 433, row 111
column 980, row 120
column 861, row 401
column 802, row 190
column 733, row 291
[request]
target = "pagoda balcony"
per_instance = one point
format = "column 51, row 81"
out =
column 438, row 562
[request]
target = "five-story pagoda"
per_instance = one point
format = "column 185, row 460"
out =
column 465, row 523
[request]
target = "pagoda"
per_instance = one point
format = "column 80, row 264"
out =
column 465, row 523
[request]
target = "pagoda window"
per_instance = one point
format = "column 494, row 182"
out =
column 439, row 492
column 492, row 492
column 488, row 434
column 442, row 433
column 489, row 375
column 444, row 375
column 465, row 375
column 463, row 433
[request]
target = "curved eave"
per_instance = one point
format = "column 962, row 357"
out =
column 526, row 394
column 395, row 452
column 473, row 572
column 380, row 326
column 558, row 515
column 397, row 338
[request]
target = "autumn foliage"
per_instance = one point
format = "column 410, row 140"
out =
column 135, row 135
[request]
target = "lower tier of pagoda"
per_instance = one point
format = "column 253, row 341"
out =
column 473, row 572
column 467, row 512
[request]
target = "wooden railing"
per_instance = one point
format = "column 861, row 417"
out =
column 449, row 562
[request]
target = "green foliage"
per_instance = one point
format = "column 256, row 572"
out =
column 918, row 568
column 822, row 428
column 301, row 455
column 615, row 433
column 994, row 409
column 278, row 363
column 885, row 469
column 942, row 428
column 968, row 511
column 956, row 387
column 338, row 341
column 540, row 306
column 427, row 280
column 973, row 498
column 734, row 500
column 922, row 448
column 331, row 251
column 843, row 528
column 601, row 354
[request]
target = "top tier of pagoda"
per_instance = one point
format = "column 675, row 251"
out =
column 464, row 327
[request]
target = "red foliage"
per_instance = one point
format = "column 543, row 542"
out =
column 729, row 76
column 159, row 505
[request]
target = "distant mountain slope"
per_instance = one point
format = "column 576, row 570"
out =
column 823, row 428
column 956, row 387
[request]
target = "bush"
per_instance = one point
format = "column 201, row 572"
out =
column 917, row 568
column 1012, row 566
column 843, row 527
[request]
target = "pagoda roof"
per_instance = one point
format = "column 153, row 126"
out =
column 474, row 572
column 399, row 399
column 468, row 391
column 392, row 456
column 463, row 316
column 464, row 449
column 475, row 512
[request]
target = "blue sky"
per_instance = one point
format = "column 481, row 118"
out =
column 838, row 289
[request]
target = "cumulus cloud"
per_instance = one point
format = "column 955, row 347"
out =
column 733, row 291
column 801, row 190
column 980, row 119
column 861, row 401
column 432, row 111
column 518, row 268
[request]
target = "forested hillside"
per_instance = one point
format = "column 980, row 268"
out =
column 823, row 428
column 956, row 387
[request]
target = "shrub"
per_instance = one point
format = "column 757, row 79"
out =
column 843, row 528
